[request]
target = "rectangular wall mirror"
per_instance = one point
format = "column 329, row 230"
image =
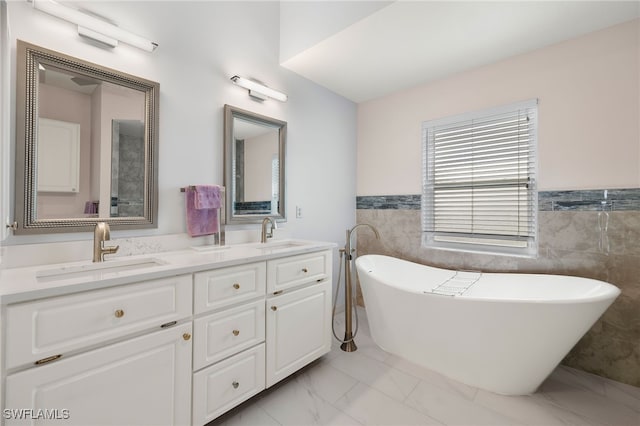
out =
column 254, row 166
column 86, row 145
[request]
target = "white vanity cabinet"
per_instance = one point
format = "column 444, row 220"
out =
column 241, row 348
column 298, row 329
column 229, row 334
column 298, row 312
column 181, row 347
column 117, row 356
column 142, row 381
column 58, row 326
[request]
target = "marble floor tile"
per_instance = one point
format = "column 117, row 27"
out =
column 292, row 403
column 620, row 392
column 586, row 403
column 364, row 342
column 372, row 407
column 623, row 393
column 247, row 414
column 432, row 377
column 325, row 381
column 529, row 410
column 450, row 408
column 376, row 374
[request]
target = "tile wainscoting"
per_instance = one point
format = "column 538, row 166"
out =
column 568, row 245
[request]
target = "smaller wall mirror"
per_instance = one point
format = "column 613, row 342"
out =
column 86, row 145
column 254, row 166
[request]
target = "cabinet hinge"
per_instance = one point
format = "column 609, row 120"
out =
column 48, row 359
column 169, row 324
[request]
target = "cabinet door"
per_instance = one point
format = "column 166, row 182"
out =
column 142, row 381
column 58, row 156
column 298, row 329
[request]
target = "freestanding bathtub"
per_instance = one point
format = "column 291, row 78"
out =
column 503, row 332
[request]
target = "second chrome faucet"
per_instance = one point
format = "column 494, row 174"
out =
column 102, row 233
column 264, row 235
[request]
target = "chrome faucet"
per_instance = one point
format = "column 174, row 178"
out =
column 102, row 233
column 264, row 235
column 348, row 344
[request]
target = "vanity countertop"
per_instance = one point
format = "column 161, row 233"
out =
column 36, row 282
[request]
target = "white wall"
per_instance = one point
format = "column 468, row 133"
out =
column 69, row 106
column 258, row 156
column 5, row 114
column 589, row 136
column 116, row 103
column 202, row 44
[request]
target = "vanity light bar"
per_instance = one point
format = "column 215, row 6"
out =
column 256, row 89
column 86, row 32
column 92, row 27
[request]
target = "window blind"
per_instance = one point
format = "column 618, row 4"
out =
column 479, row 180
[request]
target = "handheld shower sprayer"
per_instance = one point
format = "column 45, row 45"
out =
column 348, row 344
column 603, row 226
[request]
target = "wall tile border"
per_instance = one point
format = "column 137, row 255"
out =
column 389, row 202
column 578, row 200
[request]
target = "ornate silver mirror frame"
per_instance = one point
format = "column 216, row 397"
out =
column 239, row 125
column 31, row 60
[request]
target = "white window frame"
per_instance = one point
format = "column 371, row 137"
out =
column 440, row 230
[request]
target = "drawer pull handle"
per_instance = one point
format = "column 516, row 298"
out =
column 48, row 359
column 235, row 384
column 119, row 313
column 236, row 332
column 305, row 270
column 236, row 286
column 274, row 308
column 186, row 336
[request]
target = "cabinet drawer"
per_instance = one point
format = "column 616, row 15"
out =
column 226, row 384
column 40, row 329
column 227, row 332
column 227, row 286
column 296, row 270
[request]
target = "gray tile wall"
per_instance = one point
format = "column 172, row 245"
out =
column 568, row 245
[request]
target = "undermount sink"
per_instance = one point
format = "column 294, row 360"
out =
column 280, row 245
column 88, row 269
column 209, row 249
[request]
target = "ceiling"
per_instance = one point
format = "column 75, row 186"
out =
column 407, row 43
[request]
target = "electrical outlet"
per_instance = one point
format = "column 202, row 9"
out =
column 298, row 212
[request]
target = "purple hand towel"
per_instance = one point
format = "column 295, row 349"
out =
column 91, row 207
column 200, row 221
column 207, row 197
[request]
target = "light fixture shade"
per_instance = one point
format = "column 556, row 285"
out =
column 86, row 32
column 96, row 26
column 259, row 89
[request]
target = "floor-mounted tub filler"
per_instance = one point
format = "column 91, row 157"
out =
column 503, row 332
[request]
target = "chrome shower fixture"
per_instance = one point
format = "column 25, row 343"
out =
column 348, row 343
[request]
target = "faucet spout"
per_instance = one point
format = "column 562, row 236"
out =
column 264, row 234
column 350, row 232
column 102, row 233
